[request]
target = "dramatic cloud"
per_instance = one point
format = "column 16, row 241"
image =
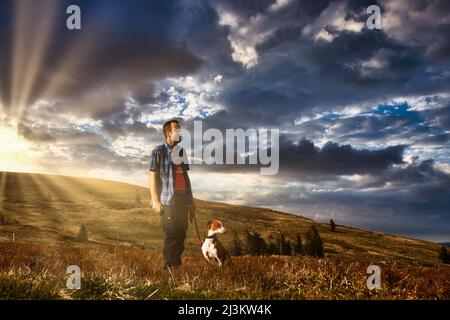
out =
column 90, row 71
column 363, row 114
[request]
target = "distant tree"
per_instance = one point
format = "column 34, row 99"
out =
column 237, row 245
column 287, row 248
column 138, row 199
column 255, row 246
column 262, row 246
column 250, row 245
column 272, row 248
column 280, row 242
column 444, row 256
column 82, row 234
column 298, row 248
column 332, row 225
column 2, row 219
column 313, row 243
column 284, row 246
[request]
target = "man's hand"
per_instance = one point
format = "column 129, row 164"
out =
column 191, row 212
column 157, row 206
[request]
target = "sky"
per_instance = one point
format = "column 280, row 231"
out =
column 363, row 114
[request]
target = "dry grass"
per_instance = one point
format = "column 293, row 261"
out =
column 38, row 272
column 45, row 213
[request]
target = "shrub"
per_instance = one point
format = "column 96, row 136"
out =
column 313, row 243
column 444, row 256
column 332, row 225
column 237, row 245
column 83, row 235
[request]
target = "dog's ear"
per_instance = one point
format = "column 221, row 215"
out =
column 209, row 223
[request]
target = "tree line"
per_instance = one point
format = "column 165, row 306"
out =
column 255, row 245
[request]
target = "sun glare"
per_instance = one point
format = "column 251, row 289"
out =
column 13, row 150
column 11, row 142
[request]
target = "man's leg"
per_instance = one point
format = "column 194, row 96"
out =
column 181, row 222
column 170, row 237
column 181, row 237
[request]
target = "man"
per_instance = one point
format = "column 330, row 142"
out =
column 171, row 193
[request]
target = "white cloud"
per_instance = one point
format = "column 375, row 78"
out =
column 421, row 103
column 279, row 4
column 331, row 22
column 243, row 37
column 184, row 97
column 373, row 67
column 323, row 35
column 248, row 32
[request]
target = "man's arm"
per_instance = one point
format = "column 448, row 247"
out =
column 154, row 192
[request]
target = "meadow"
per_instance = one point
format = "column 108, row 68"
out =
column 122, row 259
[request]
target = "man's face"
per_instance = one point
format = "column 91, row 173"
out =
column 175, row 134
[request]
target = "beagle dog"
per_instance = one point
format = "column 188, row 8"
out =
column 213, row 251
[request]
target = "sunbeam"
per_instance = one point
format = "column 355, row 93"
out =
column 65, row 72
column 33, row 23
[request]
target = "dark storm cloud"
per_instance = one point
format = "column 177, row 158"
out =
column 407, row 200
column 34, row 135
column 298, row 75
column 100, row 156
column 383, row 125
column 121, row 47
column 439, row 116
column 306, row 161
column 314, row 80
column 335, row 159
column 95, row 156
column 68, row 136
column 123, row 123
column 422, row 23
column 310, row 61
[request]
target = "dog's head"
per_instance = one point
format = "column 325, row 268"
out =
column 215, row 226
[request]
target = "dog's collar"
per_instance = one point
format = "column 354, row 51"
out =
column 213, row 236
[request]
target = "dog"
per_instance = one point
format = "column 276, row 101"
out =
column 213, row 251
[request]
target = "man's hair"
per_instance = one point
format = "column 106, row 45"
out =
column 168, row 126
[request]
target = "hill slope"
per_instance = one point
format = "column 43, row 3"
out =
column 123, row 257
column 50, row 209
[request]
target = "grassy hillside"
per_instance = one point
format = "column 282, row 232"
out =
column 45, row 213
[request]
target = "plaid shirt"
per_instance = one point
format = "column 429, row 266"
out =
column 161, row 163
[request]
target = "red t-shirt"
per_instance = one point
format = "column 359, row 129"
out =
column 180, row 183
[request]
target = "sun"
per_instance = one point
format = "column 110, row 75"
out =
column 11, row 142
column 14, row 151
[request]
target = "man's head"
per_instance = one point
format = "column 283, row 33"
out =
column 171, row 131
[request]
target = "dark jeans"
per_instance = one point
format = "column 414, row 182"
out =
column 174, row 222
